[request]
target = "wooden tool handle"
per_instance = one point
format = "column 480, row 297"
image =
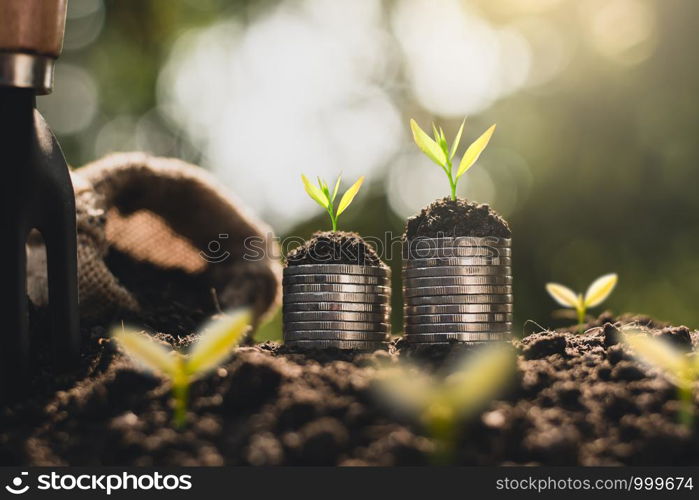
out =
column 32, row 26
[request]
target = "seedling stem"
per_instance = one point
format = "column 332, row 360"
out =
column 180, row 395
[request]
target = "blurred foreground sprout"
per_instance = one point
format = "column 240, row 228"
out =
column 597, row 293
column 442, row 404
column 321, row 194
column 680, row 368
column 212, row 348
column 439, row 152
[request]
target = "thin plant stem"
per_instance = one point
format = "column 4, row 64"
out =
column 180, row 393
column 442, row 426
column 453, row 188
column 686, row 412
column 333, row 218
column 452, row 183
column 445, row 447
column 581, row 318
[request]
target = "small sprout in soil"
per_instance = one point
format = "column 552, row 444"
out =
column 321, row 194
column 439, row 151
column 212, row 348
column 680, row 368
column 441, row 405
column 597, row 293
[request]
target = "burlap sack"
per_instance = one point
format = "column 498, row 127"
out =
column 170, row 214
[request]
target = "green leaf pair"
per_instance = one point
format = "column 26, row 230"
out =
column 212, row 348
column 437, row 149
column 321, row 194
column 597, row 292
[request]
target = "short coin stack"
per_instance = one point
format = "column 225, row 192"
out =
column 457, row 289
column 337, row 305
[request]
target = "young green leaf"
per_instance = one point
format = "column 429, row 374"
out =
column 336, row 189
column 428, row 145
column 474, row 151
column 315, row 193
column 457, row 140
column 349, row 196
column 600, row 289
column 562, row 294
column 217, row 341
column 440, row 139
column 143, row 350
column 324, row 188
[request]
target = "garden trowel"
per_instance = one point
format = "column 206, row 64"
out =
column 35, row 190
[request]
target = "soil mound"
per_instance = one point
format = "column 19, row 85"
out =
column 448, row 218
column 334, row 247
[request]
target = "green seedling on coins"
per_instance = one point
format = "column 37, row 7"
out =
column 322, row 196
column 212, row 348
column 441, row 405
column 597, row 293
column 438, row 150
column 680, row 368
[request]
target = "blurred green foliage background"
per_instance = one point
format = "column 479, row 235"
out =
column 594, row 162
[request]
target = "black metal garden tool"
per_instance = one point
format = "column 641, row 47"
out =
column 35, row 189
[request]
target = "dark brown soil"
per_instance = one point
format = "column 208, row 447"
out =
column 447, row 218
column 577, row 399
column 172, row 300
column 334, row 247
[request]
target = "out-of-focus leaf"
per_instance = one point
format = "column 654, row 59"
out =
column 314, row 192
column 474, row 151
column 659, row 354
column 600, row 289
column 349, row 195
column 407, row 388
column 217, row 342
column 483, row 375
column 143, row 350
column 428, row 145
column 563, row 295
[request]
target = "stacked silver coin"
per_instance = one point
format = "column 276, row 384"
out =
column 457, row 289
column 337, row 305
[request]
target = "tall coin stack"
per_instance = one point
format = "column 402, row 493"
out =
column 337, row 305
column 457, row 289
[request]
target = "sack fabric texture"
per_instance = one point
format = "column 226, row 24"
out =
column 173, row 215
